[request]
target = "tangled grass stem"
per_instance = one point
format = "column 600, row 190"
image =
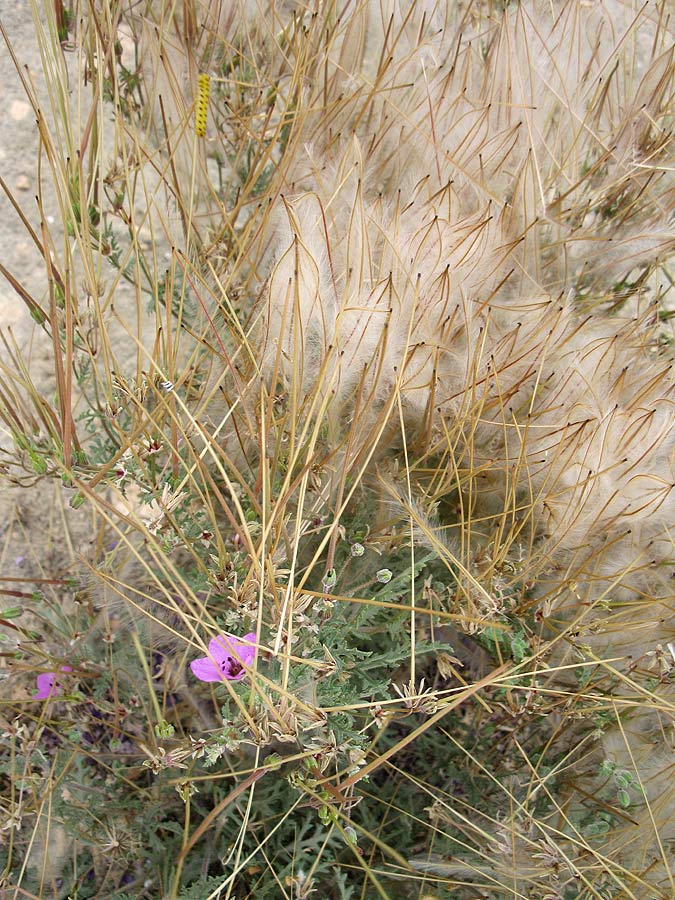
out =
column 342, row 449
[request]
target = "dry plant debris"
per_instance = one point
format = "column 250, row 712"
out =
column 358, row 325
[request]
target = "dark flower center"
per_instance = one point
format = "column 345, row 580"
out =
column 231, row 667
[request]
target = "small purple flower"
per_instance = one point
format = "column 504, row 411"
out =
column 228, row 659
column 48, row 686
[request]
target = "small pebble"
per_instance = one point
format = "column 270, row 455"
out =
column 18, row 110
column 22, row 183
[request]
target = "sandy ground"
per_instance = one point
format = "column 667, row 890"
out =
column 40, row 536
column 18, row 159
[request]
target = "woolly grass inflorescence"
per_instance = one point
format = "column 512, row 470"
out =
column 365, row 386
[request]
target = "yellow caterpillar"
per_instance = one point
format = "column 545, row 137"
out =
column 201, row 110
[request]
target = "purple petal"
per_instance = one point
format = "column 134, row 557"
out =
column 234, row 652
column 205, row 669
column 226, row 647
column 46, row 686
column 246, row 651
column 228, row 657
column 225, row 650
column 220, row 647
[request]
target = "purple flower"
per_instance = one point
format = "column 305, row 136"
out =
column 47, row 685
column 228, row 658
